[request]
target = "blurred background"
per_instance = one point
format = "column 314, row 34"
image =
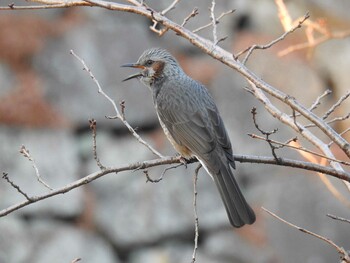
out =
column 46, row 100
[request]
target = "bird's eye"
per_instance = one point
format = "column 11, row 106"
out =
column 149, row 62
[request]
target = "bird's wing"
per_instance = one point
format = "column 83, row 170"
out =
column 201, row 130
column 189, row 129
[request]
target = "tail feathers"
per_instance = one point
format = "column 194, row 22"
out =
column 238, row 210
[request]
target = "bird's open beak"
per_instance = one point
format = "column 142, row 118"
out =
column 133, row 65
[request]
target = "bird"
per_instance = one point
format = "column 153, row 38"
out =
column 192, row 123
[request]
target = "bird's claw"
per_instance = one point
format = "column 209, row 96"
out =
column 183, row 161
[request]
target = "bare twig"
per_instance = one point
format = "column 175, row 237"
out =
column 196, row 221
column 92, row 125
column 59, row 4
column 316, row 42
column 191, row 15
column 76, row 260
column 336, row 119
column 160, row 32
column 170, row 7
column 292, row 122
column 298, row 148
column 266, row 133
column 26, row 154
column 336, row 105
column 213, row 22
column 172, row 160
column 5, row 176
column 149, row 179
column 253, row 47
column 119, row 116
column 339, row 218
column 344, row 254
column 122, row 109
column 341, row 134
column 217, row 20
column 318, row 100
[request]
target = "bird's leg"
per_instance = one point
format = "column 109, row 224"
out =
column 187, row 160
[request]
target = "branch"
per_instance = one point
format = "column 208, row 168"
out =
column 339, row 218
column 253, row 47
column 160, row 32
column 317, row 42
column 118, row 115
column 344, row 254
column 191, row 15
column 336, row 105
column 92, row 125
column 26, row 154
column 217, row 20
column 213, row 22
column 196, row 222
column 5, row 176
column 229, row 60
column 318, row 100
column 298, row 127
column 172, row 160
column 298, row 148
column 49, row 5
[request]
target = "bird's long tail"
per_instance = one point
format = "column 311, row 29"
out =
column 237, row 208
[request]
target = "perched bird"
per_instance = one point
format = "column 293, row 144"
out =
column 192, row 123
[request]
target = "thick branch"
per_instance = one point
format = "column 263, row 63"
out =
column 171, row 160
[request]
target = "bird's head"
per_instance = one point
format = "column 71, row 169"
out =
column 154, row 63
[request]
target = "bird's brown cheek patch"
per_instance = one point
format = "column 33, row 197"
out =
column 158, row 67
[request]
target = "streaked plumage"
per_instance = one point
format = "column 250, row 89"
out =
column 192, row 123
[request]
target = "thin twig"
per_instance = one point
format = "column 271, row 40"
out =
column 92, row 126
column 217, row 20
column 26, row 154
column 286, row 119
column 76, row 260
column 160, row 32
column 253, row 47
column 191, row 15
column 299, row 148
column 345, row 255
column 170, row 7
column 336, row 105
column 122, row 109
column 196, row 221
column 5, row 176
column 341, row 134
column 336, row 119
column 45, row 6
column 213, row 22
column 119, row 116
column 316, row 42
column 266, row 133
column 318, row 100
column 149, row 179
column 339, row 218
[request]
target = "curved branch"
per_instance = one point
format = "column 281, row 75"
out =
column 228, row 59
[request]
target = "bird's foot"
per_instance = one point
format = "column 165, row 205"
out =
column 184, row 161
